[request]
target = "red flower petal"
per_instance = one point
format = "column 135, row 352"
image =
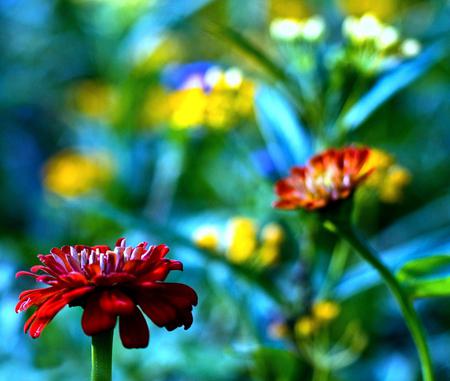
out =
column 37, row 297
column 168, row 304
column 47, row 311
column 115, row 302
column 158, row 252
column 95, row 319
column 133, row 330
column 107, row 284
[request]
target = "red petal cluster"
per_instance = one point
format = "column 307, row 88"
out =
column 109, row 284
column 329, row 176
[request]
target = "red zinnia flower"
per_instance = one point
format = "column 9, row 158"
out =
column 109, row 284
column 329, row 176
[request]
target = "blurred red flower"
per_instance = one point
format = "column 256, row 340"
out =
column 109, row 284
column 327, row 177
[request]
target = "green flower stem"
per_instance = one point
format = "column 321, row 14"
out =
column 350, row 234
column 102, row 356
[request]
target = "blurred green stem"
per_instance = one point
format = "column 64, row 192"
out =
column 352, row 236
column 335, row 268
column 102, row 356
column 320, row 374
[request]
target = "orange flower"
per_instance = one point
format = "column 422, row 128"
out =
column 327, row 177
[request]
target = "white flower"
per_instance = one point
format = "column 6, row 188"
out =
column 213, row 76
column 360, row 30
column 286, row 29
column 369, row 27
column 410, row 47
column 388, row 37
column 314, row 28
column 233, row 78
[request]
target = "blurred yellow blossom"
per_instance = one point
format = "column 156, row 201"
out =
column 187, row 108
column 288, row 8
column 228, row 98
column 242, row 239
column 156, row 108
column 240, row 243
column 322, row 313
column 94, row 99
column 396, row 179
column 378, row 159
column 272, row 233
column 72, row 174
column 325, row 310
column 383, row 9
column 218, row 99
column 305, row 326
column 389, row 179
column 272, row 236
column 207, row 237
column 268, row 254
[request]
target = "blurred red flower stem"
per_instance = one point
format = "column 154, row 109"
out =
column 101, row 352
column 348, row 232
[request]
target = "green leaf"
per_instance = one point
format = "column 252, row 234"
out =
column 426, row 277
column 275, row 365
column 259, row 57
column 423, row 266
column 249, row 49
column 392, row 83
column 432, row 288
column 408, row 239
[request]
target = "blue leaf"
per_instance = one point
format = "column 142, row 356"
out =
column 287, row 140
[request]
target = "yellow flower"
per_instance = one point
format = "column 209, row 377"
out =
column 379, row 159
column 207, row 237
column 94, row 99
column 243, row 98
column 383, row 9
column 156, row 109
column 241, row 244
column 396, row 179
column 272, row 234
column 227, row 99
column 242, row 239
column 219, row 113
column 288, row 8
column 268, row 254
column 389, row 179
column 187, row 108
column 72, row 174
column 305, row 326
column 325, row 311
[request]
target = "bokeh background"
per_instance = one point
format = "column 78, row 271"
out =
column 169, row 121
